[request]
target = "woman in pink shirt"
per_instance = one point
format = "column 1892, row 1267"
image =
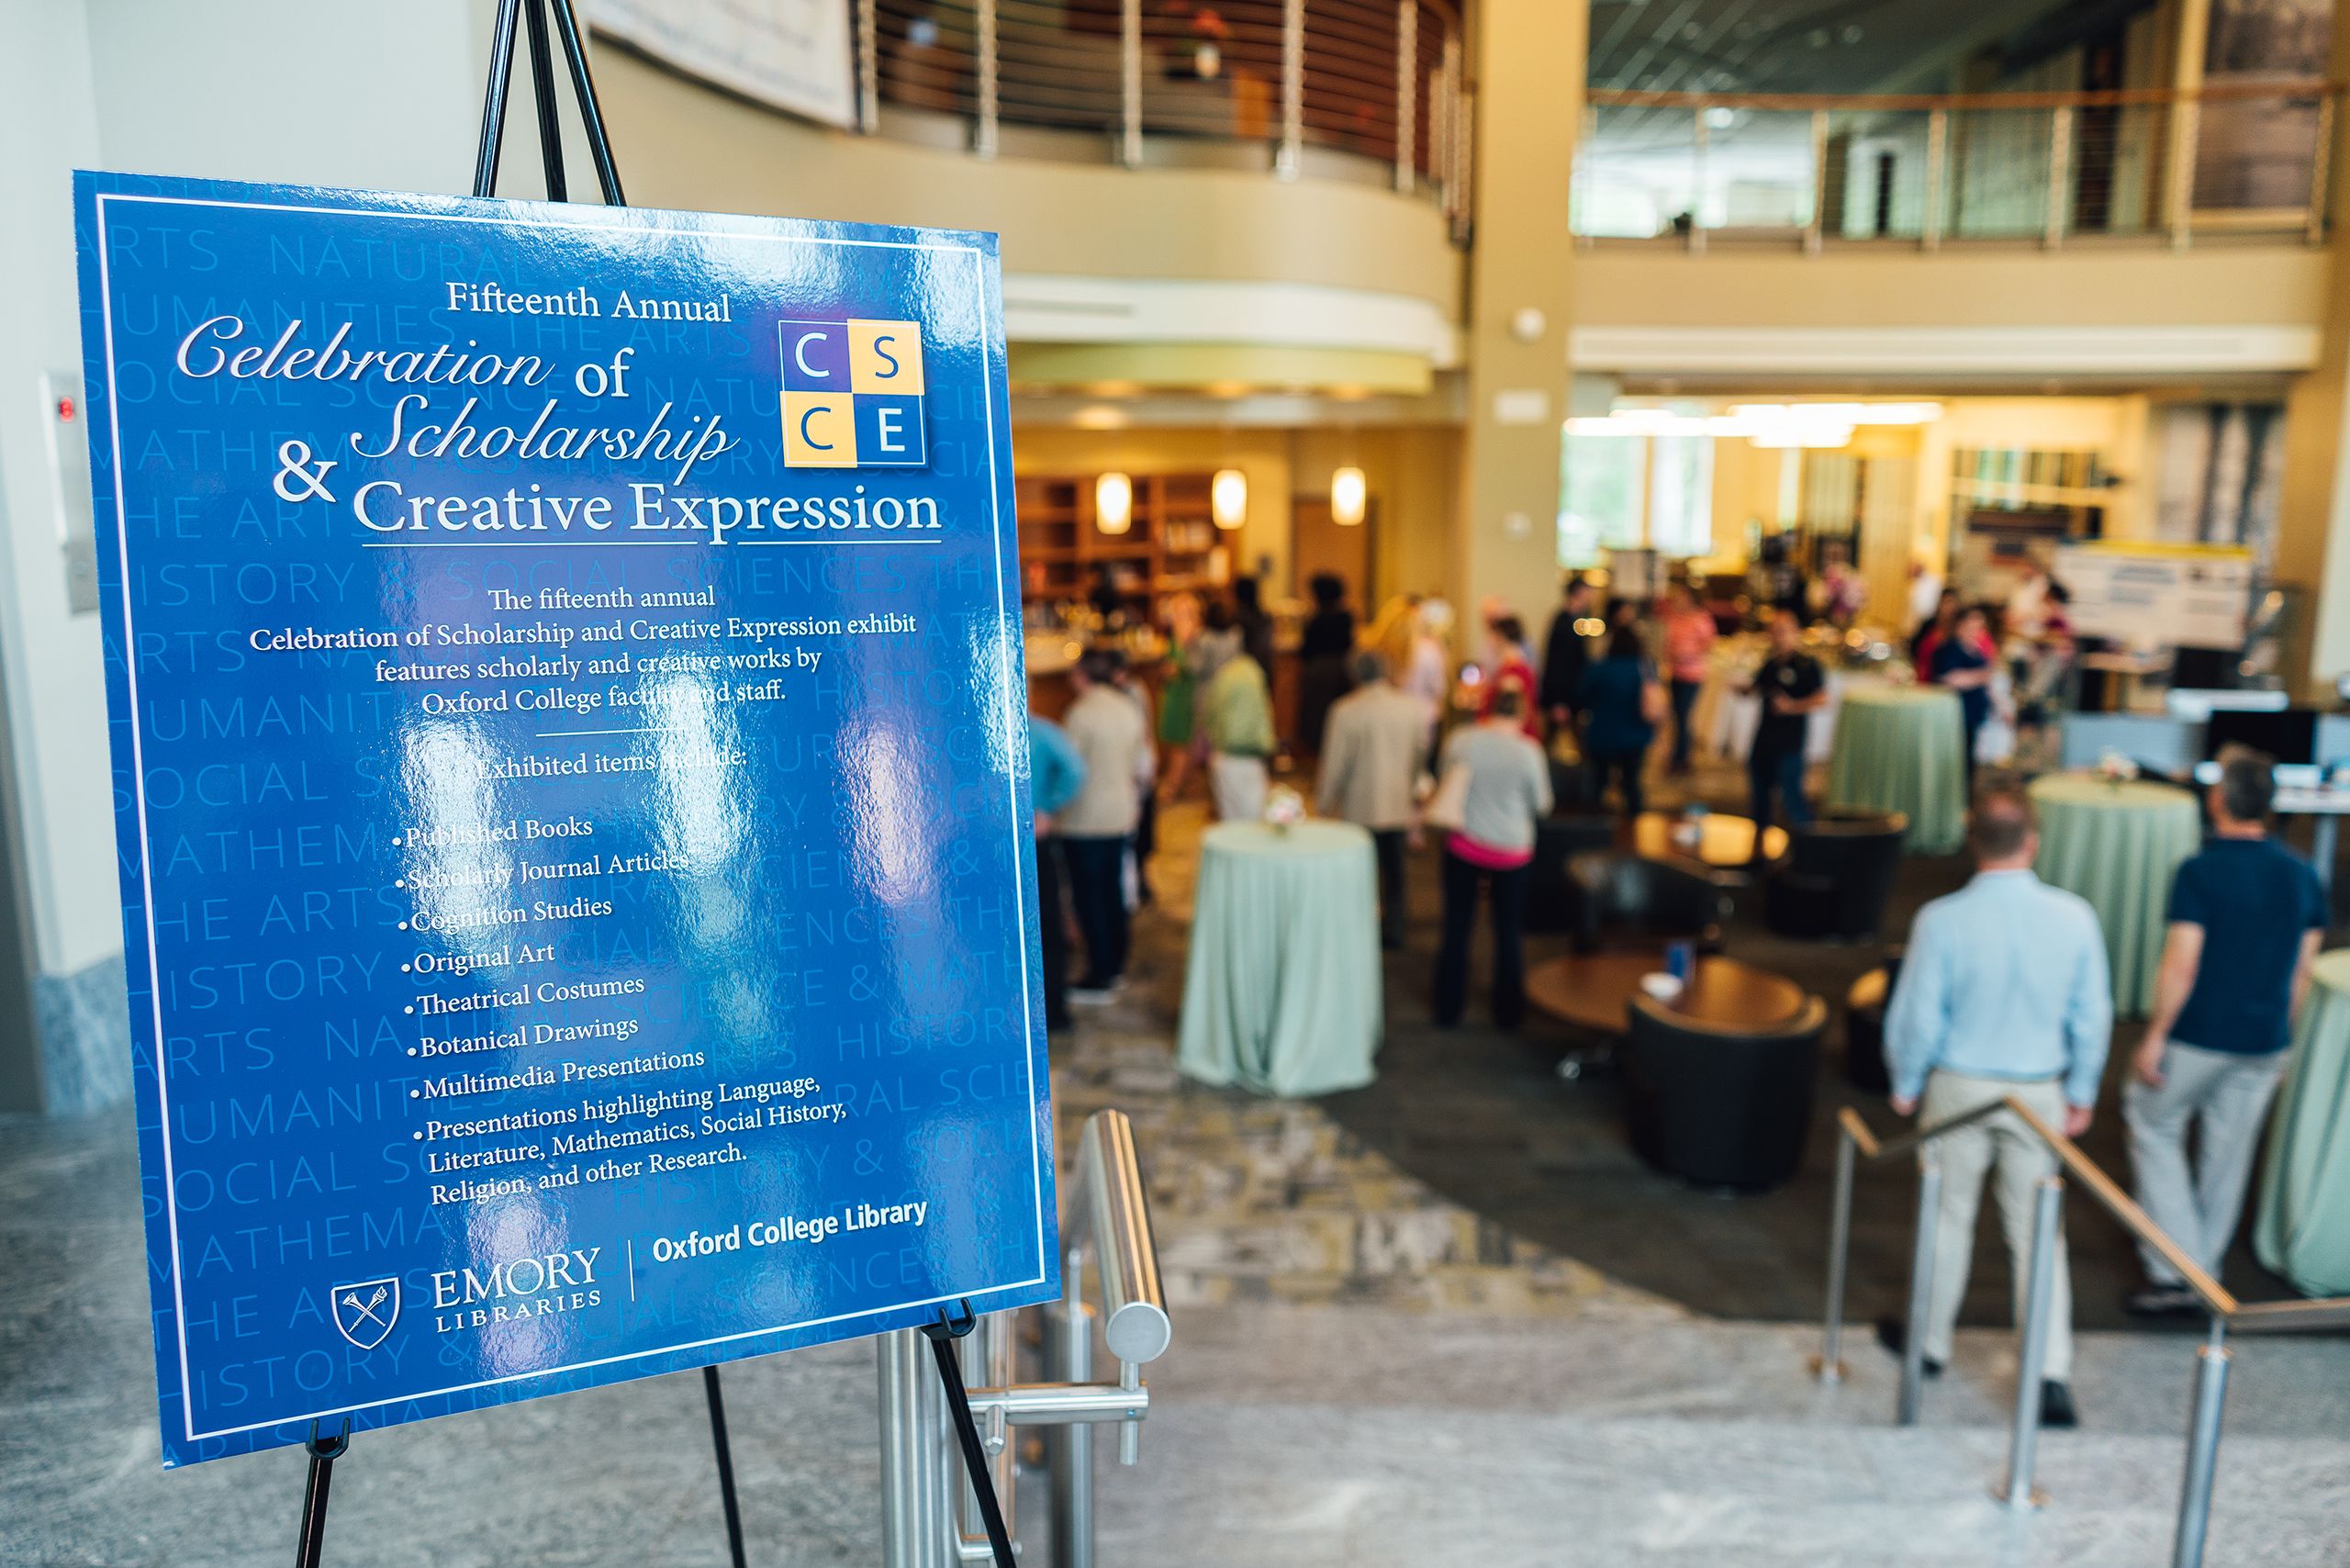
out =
column 1689, row 643
column 1506, row 792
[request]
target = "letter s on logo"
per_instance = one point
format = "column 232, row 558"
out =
column 799, row 353
column 881, row 347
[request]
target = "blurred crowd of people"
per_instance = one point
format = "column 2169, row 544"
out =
column 1404, row 742
column 2004, row 993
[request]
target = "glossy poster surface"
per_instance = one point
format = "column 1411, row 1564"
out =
column 570, row 772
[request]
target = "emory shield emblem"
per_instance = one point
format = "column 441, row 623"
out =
column 364, row 1313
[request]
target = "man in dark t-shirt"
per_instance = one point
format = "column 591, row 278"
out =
column 1566, row 655
column 2246, row 917
column 1791, row 688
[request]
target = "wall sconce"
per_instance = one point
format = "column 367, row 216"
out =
column 1348, row 495
column 1228, row 498
column 1114, row 503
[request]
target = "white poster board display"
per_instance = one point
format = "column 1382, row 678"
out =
column 2178, row 596
column 792, row 54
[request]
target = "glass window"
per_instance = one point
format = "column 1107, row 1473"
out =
column 1600, row 495
column 1680, row 496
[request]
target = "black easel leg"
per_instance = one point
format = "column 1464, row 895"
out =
column 592, row 113
column 493, row 109
column 942, row 1336
column 725, row 1465
column 543, row 89
column 310, row 1545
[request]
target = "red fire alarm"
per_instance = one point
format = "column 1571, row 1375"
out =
column 65, row 408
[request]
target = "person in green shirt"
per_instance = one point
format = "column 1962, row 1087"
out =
column 1237, row 714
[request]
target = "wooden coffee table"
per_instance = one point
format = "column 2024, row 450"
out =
column 1725, row 842
column 1595, row 992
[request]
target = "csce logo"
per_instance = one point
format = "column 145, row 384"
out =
column 852, row 394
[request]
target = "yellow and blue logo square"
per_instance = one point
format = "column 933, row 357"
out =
column 852, row 394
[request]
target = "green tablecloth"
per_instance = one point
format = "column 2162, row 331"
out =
column 1902, row 748
column 2303, row 1232
column 1283, row 991
column 2118, row 846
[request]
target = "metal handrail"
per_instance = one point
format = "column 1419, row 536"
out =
column 1109, row 1183
column 1862, row 103
column 2270, row 1318
column 1667, row 166
column 1376, row 79
column 1107, row 1212
column 1858, row 1141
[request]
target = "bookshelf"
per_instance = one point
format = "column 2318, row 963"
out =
column 2066, row 490
column 1173, row 545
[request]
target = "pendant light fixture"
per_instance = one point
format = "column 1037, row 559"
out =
column 1228, row 498
column 1349, row 496
column 1114, row 502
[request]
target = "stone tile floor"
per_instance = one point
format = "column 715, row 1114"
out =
column 1365, row 1372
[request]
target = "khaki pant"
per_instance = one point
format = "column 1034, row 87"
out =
column 1239, row 786
column 2003, row 1147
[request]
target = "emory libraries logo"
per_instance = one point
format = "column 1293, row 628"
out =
column 852, row 395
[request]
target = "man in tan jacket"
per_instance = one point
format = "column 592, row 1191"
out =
column 1106, row 728
column 1371, row 755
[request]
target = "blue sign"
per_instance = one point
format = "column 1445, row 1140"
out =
column 570, row 773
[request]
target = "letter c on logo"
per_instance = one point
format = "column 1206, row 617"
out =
column 799, row 353
column 813, row 444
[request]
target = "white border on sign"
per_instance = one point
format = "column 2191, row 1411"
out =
column 139, row 784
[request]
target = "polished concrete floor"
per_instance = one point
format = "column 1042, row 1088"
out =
column 1445, row 1320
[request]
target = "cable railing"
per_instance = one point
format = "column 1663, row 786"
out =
column 1856, row 1141
column 2049, row 168
column 1378, row 84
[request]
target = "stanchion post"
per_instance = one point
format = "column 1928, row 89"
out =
column 2039, row 1317
column 1921, row 1285
column 987, row 1357
column 2202, row 1446
column 1829, row 1365
column 916, row 1528
column 1069, row 1347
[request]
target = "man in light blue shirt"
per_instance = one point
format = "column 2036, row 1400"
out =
column 2003, row 990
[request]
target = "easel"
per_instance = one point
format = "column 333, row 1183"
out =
column 324, row 1450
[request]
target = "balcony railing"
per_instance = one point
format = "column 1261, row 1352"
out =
column 2041, row 167
column 1378, row 83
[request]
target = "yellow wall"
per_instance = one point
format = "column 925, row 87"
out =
column 2313, row 507
column 1414, row 478
column 2114, row 426
column 1746, row 485
column 1529, row 75
column 1747, row 478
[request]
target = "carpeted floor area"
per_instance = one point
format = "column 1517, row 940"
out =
column 1482, row 1117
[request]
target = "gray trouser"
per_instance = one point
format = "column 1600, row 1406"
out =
column 2230, row 1093
column 2003, row 1144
